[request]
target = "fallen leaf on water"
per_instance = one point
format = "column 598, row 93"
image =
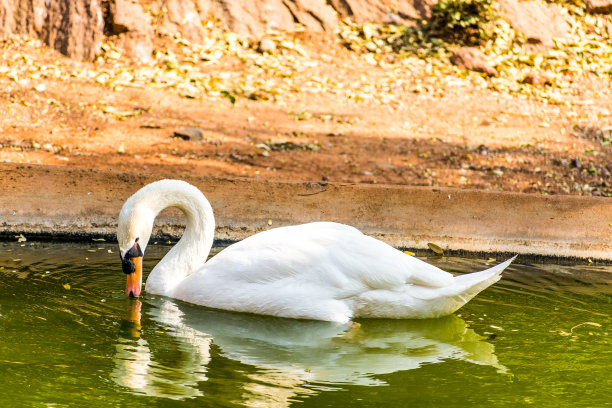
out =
column 435, row 248
column 584, row 323
column 66, row 286
column 409, row 253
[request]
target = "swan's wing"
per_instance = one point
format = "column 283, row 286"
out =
column 325, row 255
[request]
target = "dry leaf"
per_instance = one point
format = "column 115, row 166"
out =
column 435, row 248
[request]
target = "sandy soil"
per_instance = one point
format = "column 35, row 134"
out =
column 465, row 136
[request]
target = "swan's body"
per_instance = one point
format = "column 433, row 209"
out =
column 322, row 270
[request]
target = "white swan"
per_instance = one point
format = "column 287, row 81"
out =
column 321, row 271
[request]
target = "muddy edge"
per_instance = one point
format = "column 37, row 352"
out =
column 48, row 202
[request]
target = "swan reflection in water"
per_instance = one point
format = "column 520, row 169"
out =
column 287, row 353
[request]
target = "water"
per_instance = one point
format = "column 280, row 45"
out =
column 69, row 337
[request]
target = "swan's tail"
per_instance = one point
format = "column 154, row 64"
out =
column 446, row 300
column 477, row 281
column 469, row 285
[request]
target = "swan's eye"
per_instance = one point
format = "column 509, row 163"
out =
column 134, row 251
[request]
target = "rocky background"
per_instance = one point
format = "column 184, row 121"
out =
column 77, row 27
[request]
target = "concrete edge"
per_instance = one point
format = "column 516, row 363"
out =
column 70, row 203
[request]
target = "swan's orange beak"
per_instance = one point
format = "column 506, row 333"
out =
column 134, row 279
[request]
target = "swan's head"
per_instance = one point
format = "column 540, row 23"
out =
column 133, row 233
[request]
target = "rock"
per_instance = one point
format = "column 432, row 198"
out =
column 183, row 16
column 189, row 133
column 540, row 22
column 599, row 6
column 473, row 59
column 266, row 45
column 537, row 79
column 22, row 17
column 138, row 46
column 74, row 27
column 132, row 25
column 384, row 11
column 125, row 16
column 315, row 15
column 257, row 17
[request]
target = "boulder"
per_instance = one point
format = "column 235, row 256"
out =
column 22, row 17
column 384, row 11
column 189, row 133
column 184, row 17
column 473, row 59
column 132, row 25
column 599, row 6
column 315, row 15
column 540, row 22
column 125, row 16
column 74, row 27
column 257, row 17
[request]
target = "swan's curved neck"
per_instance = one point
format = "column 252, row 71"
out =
column 193, row 248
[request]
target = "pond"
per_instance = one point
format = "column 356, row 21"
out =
column 69, row 336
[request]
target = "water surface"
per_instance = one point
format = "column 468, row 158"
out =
column 68, row 336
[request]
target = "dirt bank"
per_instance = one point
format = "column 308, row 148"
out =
column 312, row 110
column 59, row 202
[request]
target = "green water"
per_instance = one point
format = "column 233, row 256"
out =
column 69, row 336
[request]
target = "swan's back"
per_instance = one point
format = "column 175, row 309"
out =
column 336, row 254
column 315, row 271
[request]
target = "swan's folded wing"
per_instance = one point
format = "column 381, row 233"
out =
column 328, row 255
column 384, row 267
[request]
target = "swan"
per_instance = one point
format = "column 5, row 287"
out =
column 320, row 271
